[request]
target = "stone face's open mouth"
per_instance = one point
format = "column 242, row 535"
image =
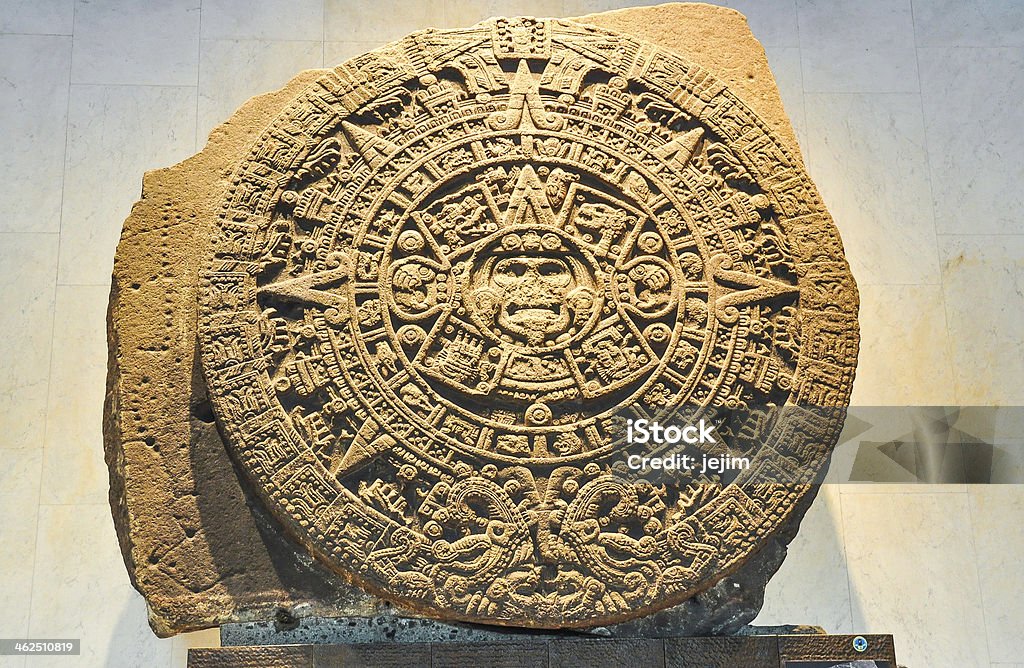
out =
column 528, row 310
column 534, row 322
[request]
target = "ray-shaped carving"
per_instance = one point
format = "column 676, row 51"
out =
column 525, row 106
column 375, row 150
column 369, row 442
column 752, row 289
column 529, row 204
column 312, row 289
column 682, row 148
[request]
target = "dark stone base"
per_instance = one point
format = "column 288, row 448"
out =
column 750, row 651
column 388, row 628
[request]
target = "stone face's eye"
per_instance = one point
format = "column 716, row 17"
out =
column 513, row 268
column 551, row 269
column 554, row 273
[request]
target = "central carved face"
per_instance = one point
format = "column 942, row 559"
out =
column 532, row 295
column 532, row 289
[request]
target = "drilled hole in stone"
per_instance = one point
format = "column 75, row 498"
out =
column 203, row 412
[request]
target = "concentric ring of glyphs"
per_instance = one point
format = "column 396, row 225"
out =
column 451, row 269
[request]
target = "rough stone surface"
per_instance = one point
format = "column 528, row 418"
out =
column 720, row 41
column 422, row 493
column 196, row 543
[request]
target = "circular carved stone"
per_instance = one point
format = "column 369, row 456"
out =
column 452, row 270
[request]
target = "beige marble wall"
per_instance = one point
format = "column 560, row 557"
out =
column 909, row 113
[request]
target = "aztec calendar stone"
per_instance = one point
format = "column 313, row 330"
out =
column 449, row 274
